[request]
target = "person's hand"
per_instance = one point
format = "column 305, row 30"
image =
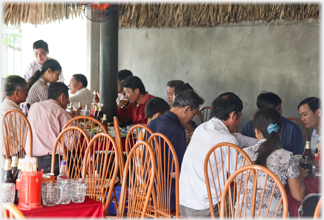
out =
column 119, row 95
column 303, row 172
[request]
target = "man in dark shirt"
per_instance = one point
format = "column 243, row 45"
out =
column 185, row 106
column 290, row 135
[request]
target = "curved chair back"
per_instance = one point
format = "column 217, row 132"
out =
column 72, row 143
column 302, row 127
column 252, row 195
column 16, row 131
column 89, row 124
column 138, row 180
column 120, row 148
column 166, row 177
column 318, row 208
column 205, row 111
column 138, row 132
column 100, row 167
column 220, row 163
column 11, row 211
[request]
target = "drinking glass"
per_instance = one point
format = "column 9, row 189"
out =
column 50, row 193
column 66, row 188
column 122, row 101
column 8, row 192
column 79, row 189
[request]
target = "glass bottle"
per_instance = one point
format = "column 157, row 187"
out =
column 80, row 106
column 104, row 121
column 18, row 179
column 7, row 176
column 96, row 97
column 86, row 110
column 307, row 155
column 95, row 113
column 62, row 174
column 14, row 165
column 100, row 113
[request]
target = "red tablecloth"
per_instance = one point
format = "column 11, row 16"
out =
column 88, row 209
column 312, row 185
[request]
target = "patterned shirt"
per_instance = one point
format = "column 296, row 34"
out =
column 283, row 164
column 38, row 92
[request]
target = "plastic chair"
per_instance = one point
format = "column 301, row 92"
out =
column 138, row 180
column 166, row 173
column 100, row 167
column 259, row 184
column 120, row 147
column 219, row 162
column 302, row 127
column 72, row 146
column 89, row 124
column 205, row 111
column 15, row 129
column 138, row 132
column 318, row 208
column 11, row 211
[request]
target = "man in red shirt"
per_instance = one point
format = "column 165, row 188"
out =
column 137, row 96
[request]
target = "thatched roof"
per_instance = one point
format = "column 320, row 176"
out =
column 157, row 15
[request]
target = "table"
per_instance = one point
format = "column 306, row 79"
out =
column 88, row 209
column 312, row 185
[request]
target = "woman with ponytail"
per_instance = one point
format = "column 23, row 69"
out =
column 37, row 84
column 268, row 152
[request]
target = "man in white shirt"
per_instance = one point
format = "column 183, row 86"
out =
column 15, row 89
column 226, row 113
column 79, row 92
column 310, row 113
column 41, row 51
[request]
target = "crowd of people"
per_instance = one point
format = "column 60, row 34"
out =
column 269, row 139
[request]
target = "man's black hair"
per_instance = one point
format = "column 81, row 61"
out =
column 40, row 44
column 224, row 104
column 156, row 105
column 174, row 83
column 314, row 103
column 181, row 87
column 134, row 82
column 56, row 89
column 123, row 74
column 268, row 99
column 81, row 78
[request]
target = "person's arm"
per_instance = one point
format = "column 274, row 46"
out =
column 296, row 185
column 245, row 141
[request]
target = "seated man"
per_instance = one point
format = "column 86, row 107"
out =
column 137, row 96
column 310, row 113
column 290, row 135
column 15, row 90
column 170, row 89
column 80, row 93
column 226, row 111
column 186, row 104
column 47, row 119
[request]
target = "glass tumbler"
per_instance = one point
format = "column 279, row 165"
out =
column 79, row 187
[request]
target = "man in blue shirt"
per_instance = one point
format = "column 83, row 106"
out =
column 290, row 136
column 185, row 106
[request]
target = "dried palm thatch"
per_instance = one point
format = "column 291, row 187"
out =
column 39, row 13
column 152, row 15
column 157, row 15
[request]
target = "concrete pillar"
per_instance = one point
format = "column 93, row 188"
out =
column 109, row 66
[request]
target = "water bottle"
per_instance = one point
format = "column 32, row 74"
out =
column 62, row 174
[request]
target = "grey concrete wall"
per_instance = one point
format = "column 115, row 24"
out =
column 282, row 57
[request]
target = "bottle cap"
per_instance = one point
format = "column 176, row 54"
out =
column 104, row 117
column 80, row 104
column 100, row 108
column 63, row 162
column 86, row 107
column 7, row 164
column 14, row 161
column 94, row 92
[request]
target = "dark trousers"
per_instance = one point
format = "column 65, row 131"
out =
column 45, row 162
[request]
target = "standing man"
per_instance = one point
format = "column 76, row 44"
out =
column 226, row 111
column 41, row 51
column 80, row 93
column 185, row 106
column 290, row 135
column 137, row 96
column 47, row 119
column 310, row 113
